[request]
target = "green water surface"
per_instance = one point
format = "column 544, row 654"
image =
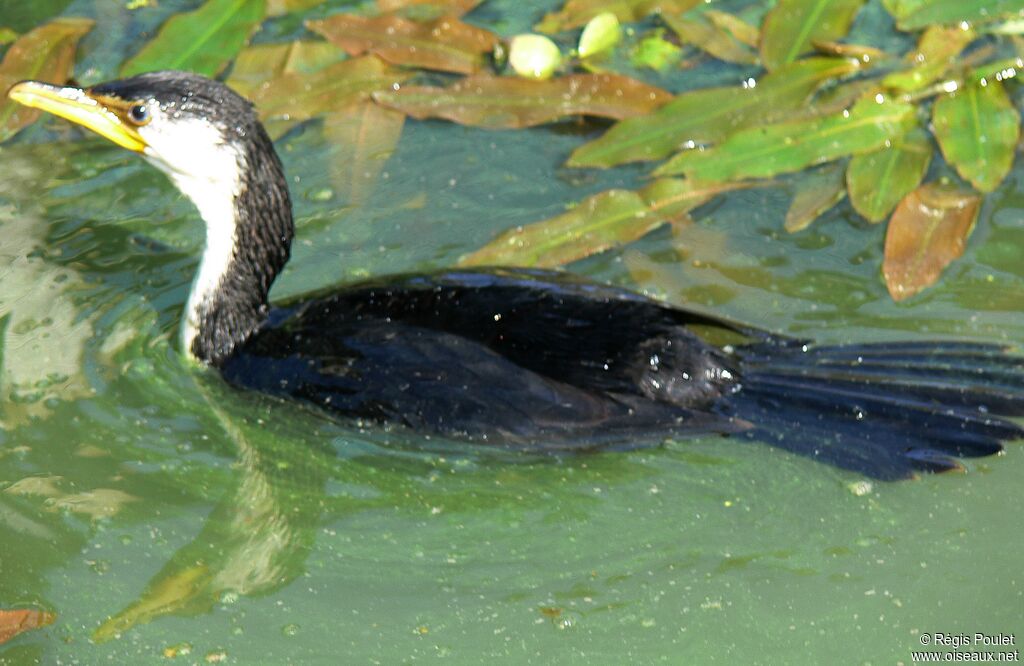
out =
column 156, row 512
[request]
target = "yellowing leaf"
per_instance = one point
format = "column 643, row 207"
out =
column 18, row 621
column 504, row 102
column 440, row 7
column 599, row 222
column 256, row 66
column 878, row 181
column 707, row 116
column 815, row 194
column 445, row 44
column 761, row 152
column 928, row 230
column 977, row 128
column 46, row 53
column 202, row 41
column 936, row 53
column 793, row 25
column 577, row 12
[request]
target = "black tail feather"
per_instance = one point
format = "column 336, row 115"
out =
column 885, row 409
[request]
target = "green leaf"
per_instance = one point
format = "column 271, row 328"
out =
column 707, row 116
column 928, row 231
column 599, row 222
column 735, row 26
column 506, row 102
column 917, row 15
column 878, row 181
column 655, row 52
column 445, row 44
column 202, row 41
column 7, row 36
column 712, row 39
column 815, row 194
column 977, row 128
column 936, row 53
column 793, row 25
column 601, row 34
column 46, row 53
column 787, row 147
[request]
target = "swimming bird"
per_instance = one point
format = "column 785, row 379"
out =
column 531, row 359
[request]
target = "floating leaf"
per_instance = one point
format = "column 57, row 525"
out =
column 878, row 181
column 815, row 194
column 14, row 622
column 533, row 56
column 928, row 230
column 577, row 12
column 439, row 7
column 445, row 44
column 601, row 34
column 917, row 15
column 303, row 96
column 793, row 25
column 598, row 223
column 282, row 7
column 203, row 41
column 46, row 53
column 655, row 52
column 936, row 53
column 787, row 147
column 735, row 26
column 362, row 138
column 708, row 116
column 977, row 128
column 258, row 65
column 710, row 38
column 504, row 102
column 7, row 35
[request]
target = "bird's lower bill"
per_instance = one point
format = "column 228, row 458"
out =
column 79, row 107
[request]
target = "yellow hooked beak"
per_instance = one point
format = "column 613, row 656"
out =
column 104, row 115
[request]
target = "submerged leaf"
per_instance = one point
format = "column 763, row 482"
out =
column 878, row 181
column 710, row 38
column 504, row 102
column 202, row 41
column 936, row 53
column 793, row 25
column 533, row 56
column 977, row 128
column 814, row 195
column 600, row 34
column 707, row 116
column 735, row 26
column 46, row 53
column 18, row 621
column 918, row 14
column 303, row 96
column 362, row 138
column 928, row 230
column 599, row 222
column 445, row 44
column 577, row 12
column 787, row 147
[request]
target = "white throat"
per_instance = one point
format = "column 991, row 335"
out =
column 212, row 182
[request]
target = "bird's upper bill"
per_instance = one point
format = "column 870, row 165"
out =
column 106, row 115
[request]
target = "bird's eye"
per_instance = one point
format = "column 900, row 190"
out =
column 138, row 114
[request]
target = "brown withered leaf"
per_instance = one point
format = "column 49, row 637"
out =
column 445, row 44
column 446, row 7
column 362, row 138
column 14, row 622
column 927, row 231
column 303, row 96
column 46, row 53
column 505, row 102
